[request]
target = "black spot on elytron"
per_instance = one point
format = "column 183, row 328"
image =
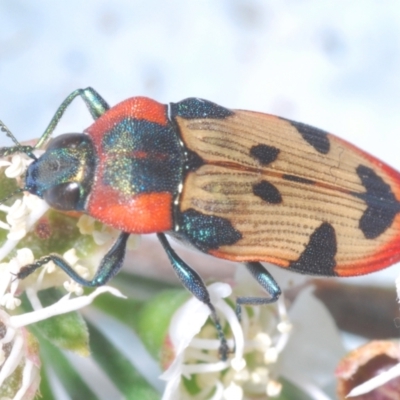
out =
column 298, row 179
column 193, row 160
column 267, row 192
column 382, row 203
column 193, row 108
column 264, row 154
column 317, row 138
column 206, row 232
column 318, row 258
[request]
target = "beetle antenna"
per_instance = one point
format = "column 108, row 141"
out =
column 4, row 128
column 5, row 151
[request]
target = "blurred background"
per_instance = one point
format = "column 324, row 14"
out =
column 333, row 64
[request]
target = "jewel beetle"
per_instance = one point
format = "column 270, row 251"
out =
column 238, row 185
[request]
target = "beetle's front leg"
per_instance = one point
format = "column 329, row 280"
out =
column 193, row 282
column 268, row 283
column 109, row 266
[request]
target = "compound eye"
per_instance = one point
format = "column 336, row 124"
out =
column 66, row 140
column 64, row 196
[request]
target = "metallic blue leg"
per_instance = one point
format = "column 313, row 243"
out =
column 193, row 282
column 109, row 266
column 265, row 279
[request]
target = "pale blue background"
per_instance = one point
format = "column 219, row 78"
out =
column 334, row 64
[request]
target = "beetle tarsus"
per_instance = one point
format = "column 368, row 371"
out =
column 27, row 270
column 109, row 266
column 267, row 282
column 223, row 348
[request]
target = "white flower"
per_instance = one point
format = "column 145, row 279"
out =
column 17, row 166
column 21, row 354
column 106, row 234
column 25, row 212
column 198, row 356
column 18, row 348
column 9, row 285
column 21, row 217
column 64, row 305
column 86, row 224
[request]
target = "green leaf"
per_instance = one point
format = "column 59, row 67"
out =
column 118, row 368
column 150, row 319
column 67, row 331
column 140, row 287
column 45, row 389
column 290, row 392
column 153, row 319
column 124, row 310
column 71, row 380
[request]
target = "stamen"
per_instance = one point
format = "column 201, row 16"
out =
column 274, row 388
column 233, row 392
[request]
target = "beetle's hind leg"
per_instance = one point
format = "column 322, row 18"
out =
column 193, row 282
column 267, row 282
column 109, row 266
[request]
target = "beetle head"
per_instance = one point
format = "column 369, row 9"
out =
column 62, row 176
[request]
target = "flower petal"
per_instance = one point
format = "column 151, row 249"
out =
column 13, row 359
column 62, row 306
column 315, row 333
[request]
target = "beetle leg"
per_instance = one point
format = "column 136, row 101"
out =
column 265, row 279
column 193, row 282
column 109, row 266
